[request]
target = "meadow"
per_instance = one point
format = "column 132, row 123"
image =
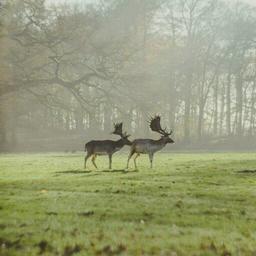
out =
column 188, row 204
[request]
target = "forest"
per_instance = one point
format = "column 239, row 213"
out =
column 69, row 70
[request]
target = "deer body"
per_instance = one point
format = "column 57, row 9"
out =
column 149, row 146
column 145, row 146
column 106, row 147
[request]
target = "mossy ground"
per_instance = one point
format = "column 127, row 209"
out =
column 188, row 204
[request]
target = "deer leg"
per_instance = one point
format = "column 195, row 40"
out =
column 110, row 161
column 85, row 159
column 151, row 159
column 135, row 160
column 93, row 161
column 129, row 157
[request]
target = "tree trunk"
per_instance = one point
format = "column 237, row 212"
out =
column 215, row 122
column 79, row 120
column 107, row 118
column 187, row 108
column 253, row 112
column 239, row 104
column 222, row 111
column 3, row 135
column 200, row 119
column 228, row 104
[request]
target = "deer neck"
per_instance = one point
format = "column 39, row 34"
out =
column 119, row 143
column 161, row 142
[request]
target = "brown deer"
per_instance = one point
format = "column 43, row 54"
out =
column 106, row 147
column 148, row 146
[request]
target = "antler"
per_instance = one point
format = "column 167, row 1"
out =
column 156, row 126
column 118, row 129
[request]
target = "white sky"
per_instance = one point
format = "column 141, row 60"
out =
column 253, row 2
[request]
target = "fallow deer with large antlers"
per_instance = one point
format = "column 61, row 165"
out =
column 106, row 147
column 148, row 146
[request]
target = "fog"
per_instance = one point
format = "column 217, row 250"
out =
column 70, row 69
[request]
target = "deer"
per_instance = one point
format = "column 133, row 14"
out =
column 106, row 147
column 149, row 146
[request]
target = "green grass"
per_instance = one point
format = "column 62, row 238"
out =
column 189, row 204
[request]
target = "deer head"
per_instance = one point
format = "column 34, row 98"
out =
column 118, row 130
column 155, row 126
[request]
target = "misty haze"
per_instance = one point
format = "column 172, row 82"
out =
column 127, row 79
column 69, row 71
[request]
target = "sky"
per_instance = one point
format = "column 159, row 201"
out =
column 253, row 2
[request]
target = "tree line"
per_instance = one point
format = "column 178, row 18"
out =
column 68, row 71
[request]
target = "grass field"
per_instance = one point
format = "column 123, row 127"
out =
column 189, row 204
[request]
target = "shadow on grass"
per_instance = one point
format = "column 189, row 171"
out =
column 120, row 171
column 96, row 172
column 65, row 155
column 74, row 172
column 247, row 172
